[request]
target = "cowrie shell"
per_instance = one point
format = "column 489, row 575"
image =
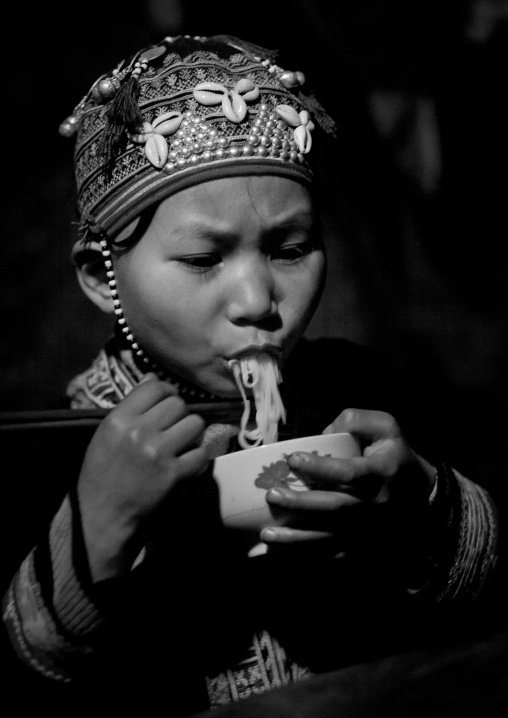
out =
column 166, row 116
column 209, row 93
column 168, row 123
column 235, row 108
column 239, row 105
column 289, row 115
column 156, row 149
column 304, row 117
column 244, row 85
column 212, row 86
column 251, row 95
column 207, row 98
column 247, row 89
column 303, row 139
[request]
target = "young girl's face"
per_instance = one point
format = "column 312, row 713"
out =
column 224, row 266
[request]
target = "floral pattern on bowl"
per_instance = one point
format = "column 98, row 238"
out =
column 279, row 474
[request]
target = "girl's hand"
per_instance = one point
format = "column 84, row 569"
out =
column 363, row 504
column 140, row 451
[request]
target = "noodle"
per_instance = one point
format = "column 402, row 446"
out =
column 259, row 372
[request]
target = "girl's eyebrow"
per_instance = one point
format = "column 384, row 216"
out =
column 301, row 220
column 204, row 232
column 306, row 222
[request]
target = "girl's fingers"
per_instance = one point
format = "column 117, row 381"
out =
column 360, row 475
column 327, row 468
column 192, row 463
column 144, row 396
column 315, row 500
column 166, row 413
column 184, row 434
column 320, row 512
column 365, row 424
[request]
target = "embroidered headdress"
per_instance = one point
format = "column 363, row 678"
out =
column 181, row 112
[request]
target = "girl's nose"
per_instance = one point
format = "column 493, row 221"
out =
column 252, row 296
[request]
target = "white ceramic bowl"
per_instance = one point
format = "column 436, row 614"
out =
column 245, row 476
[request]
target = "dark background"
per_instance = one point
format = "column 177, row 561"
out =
column 415, row 214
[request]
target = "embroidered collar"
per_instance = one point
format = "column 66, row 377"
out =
column 113, row 374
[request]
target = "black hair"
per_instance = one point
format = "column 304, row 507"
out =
column 127, row 243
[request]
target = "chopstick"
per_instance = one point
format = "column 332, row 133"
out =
column 211, row 412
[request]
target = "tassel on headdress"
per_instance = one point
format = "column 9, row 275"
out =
column 123, row 115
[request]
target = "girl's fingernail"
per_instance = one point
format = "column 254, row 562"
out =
column 276, row 496
column 297, row 459
column 267, row 534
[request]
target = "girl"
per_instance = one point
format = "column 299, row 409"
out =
column 196, row 173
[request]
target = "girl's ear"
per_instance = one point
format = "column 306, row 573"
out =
column 91, row 274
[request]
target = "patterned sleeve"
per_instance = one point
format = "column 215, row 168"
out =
column 464, row 547
column 50, row 618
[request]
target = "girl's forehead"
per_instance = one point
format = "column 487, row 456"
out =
column 225, row 207
column 269, row 198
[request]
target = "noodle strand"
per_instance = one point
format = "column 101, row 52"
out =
column 259, row 372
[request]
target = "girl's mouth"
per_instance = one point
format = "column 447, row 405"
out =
column 256, row 349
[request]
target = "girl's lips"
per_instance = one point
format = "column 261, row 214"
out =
column 256, row 349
